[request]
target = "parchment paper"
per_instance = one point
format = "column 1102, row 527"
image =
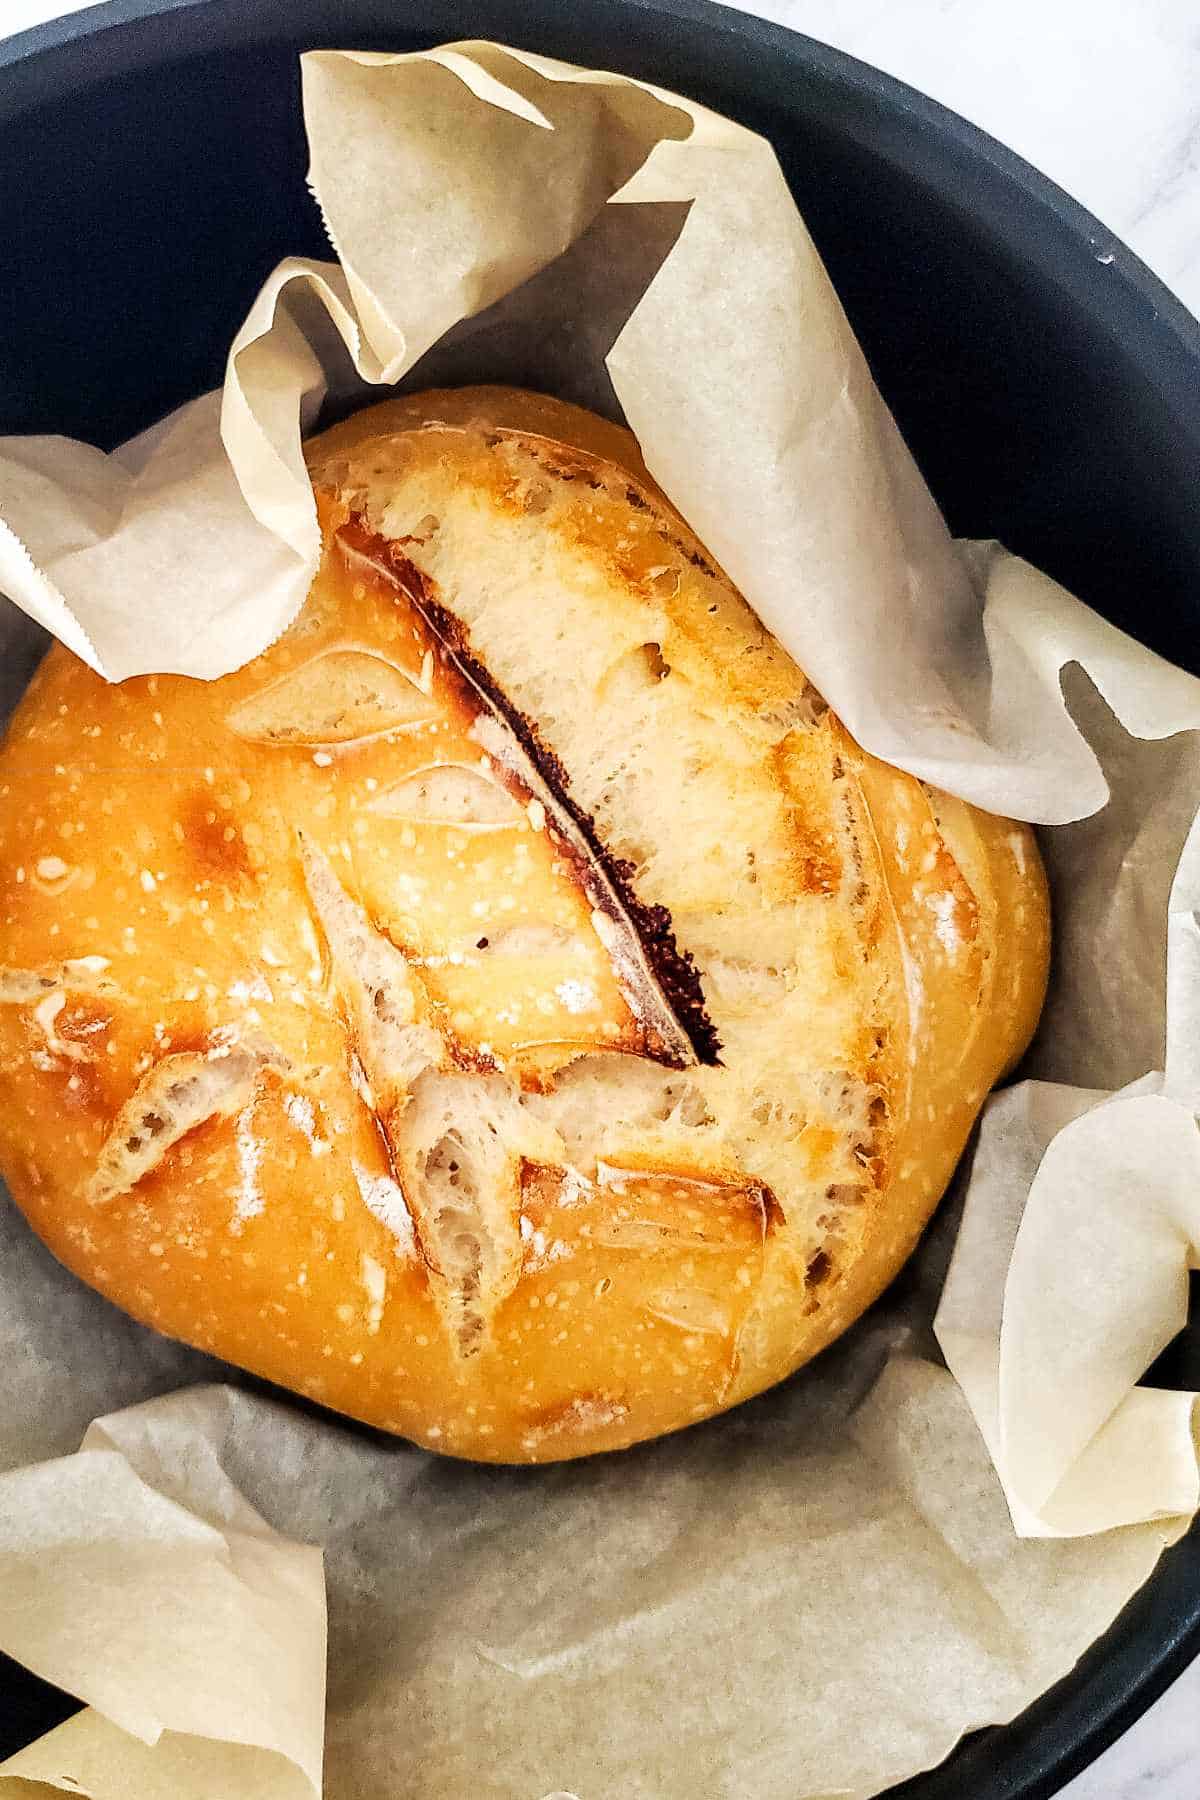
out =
column 448, row 178
column 819, row 1594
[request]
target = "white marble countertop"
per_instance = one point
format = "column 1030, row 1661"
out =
column 1104, row 96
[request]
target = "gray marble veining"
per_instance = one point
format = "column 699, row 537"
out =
column 1159, row 1759
column 1102, row 95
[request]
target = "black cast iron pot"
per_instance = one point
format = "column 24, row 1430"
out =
column 1047, row 383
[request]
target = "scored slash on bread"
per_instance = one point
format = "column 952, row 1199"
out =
column 449, row 794
column 47, row 992
column 638, row 938
column 81, row 974
column 456, row 1136
column 340, row 697
column 172, row 1099
column 389, row 1012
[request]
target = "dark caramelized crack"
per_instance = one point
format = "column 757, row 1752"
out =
column 607, row 879
column 818, row 1270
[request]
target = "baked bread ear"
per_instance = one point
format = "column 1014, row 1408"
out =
column 511, row 1010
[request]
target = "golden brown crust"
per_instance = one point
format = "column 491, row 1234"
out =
column 316, row 1051
column 567, row 429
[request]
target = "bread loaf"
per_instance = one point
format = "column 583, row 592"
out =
column 511, row 1010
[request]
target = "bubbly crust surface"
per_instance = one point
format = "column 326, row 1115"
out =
column 512, row 1010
